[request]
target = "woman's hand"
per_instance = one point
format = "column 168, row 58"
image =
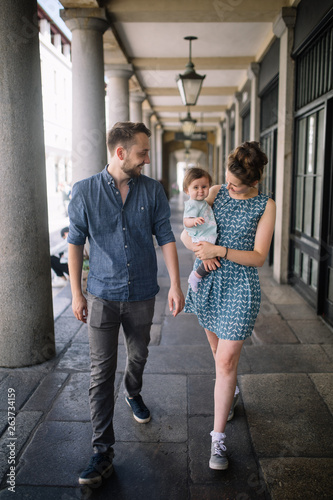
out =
column 204, row 250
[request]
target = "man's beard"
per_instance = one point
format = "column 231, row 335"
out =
column 132, row 172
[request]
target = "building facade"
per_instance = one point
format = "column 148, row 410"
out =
column 56, row 74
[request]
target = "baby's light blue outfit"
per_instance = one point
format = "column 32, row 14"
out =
column 202, row 232
column 228, row 300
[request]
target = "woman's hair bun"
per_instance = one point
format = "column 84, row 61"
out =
column 247, row 162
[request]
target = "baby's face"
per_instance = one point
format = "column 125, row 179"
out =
column 198, row 189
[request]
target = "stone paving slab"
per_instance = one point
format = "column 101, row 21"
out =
column 24, row 383
column 183, row 360
column 166, row 397
column 65, row 328
column 267, row 308
column 60, row 303
column 283, row 294
column 298, row 478
column 75, row 358
column 25, row 423
column 287, row 359
column 312, row 331
column 68, row 312
column 3, row 421
column 286, row 416
column 82, row 334
column 183, row 330
column 324, row 385
column 201, row 394
column 241, row 479
column 296, row 311
column 67, row 451
column 72, row 403
column 43, row 493
column 273, row 330
column 46, row 392
column 147, row 471
column 328, row 349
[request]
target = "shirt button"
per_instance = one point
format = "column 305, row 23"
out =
column 124, row 228
column 129, row 282
column 125, row 246
column 128, row 265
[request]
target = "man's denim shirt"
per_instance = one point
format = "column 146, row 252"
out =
column 122, row 257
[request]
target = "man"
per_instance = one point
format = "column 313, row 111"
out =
column 119, row 210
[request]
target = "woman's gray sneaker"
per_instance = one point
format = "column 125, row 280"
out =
column 232, row 409
column 218, row 458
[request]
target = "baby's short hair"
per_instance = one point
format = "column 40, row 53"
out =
column 194, row 173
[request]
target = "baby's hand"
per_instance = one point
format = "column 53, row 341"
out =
column 198, row 221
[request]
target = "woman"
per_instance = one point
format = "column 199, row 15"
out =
column 228, row 299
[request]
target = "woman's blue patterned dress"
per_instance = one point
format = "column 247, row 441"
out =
column 228, row 299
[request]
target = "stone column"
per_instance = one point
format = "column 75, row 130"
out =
column 159, row 153
column 118, row 92
column 227, row 135
column 89, row 131
column 26, row 319
column 136, row 100
column 253, row 75
column 146, row 115
column 221, row 175
column 284, row 29
column 238, row 119
column 153, row 161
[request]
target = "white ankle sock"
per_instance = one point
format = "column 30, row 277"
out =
column 193, row 281
column 217, row 436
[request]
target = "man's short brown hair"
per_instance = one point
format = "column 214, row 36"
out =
column 123, row 133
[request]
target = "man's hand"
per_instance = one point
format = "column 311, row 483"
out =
column 176, row 300
column 80, row 308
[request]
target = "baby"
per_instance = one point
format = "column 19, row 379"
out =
column 199, row 220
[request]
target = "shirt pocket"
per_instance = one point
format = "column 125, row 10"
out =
column 142, row 217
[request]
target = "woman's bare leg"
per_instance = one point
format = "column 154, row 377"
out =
column 226, row 363
column 213, row 341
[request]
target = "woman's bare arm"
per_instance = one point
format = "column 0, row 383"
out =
column 262, row 243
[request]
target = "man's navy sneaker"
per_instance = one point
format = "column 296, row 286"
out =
column 100, row 466
column 140, row 410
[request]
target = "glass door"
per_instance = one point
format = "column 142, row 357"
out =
column 307, row 209
column 325, row 299
column 267, row 184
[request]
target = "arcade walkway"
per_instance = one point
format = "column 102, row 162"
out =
column 280, row 441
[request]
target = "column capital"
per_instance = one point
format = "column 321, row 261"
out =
column 137, row 96
column 238, row 97
column 253, row 70
column 286, row 19
column 85, row 19
column 153, row 118
column 119, row 70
